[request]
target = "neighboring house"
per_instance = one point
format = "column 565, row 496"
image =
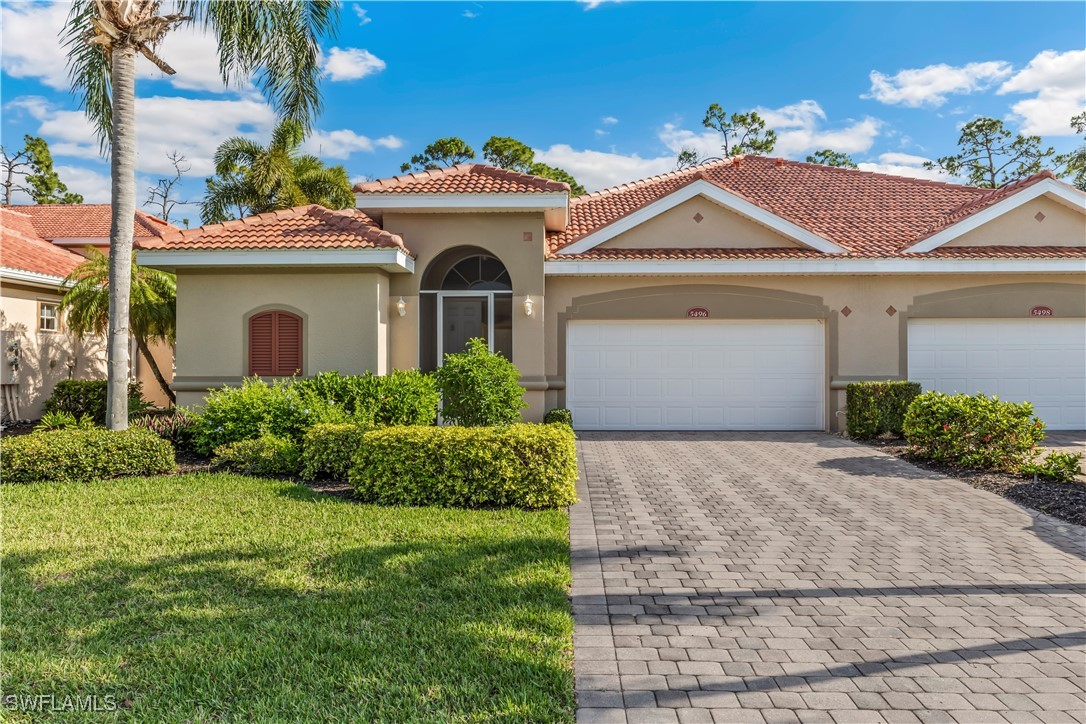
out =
column 37, row 353
column 740, row 294
column 74, row 227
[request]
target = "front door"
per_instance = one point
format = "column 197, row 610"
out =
column 462, row 318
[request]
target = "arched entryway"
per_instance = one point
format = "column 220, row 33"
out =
column 466, row 292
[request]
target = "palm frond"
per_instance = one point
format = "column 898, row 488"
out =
column 88, row 70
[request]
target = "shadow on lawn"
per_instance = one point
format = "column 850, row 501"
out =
column 409, row 630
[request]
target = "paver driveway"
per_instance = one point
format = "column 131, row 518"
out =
column 739, row 577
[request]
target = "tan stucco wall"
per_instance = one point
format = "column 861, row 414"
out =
column 720, row 228
column 1061, row 226
column 869, row 341
column 44, row 356
column 345, row 316
column 501, row 235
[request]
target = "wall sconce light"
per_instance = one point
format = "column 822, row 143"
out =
column 401, row 307
column 529, row 305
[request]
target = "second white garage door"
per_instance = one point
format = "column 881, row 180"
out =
column 1042, row 361
column 696, row 375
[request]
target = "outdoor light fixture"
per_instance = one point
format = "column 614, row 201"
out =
column 529, row 305
column 401, row 307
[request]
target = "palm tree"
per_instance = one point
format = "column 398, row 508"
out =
column 251, row 179
column 274, row 42
column 153, row 313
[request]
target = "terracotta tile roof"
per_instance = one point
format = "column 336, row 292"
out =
column 86, row 221
column 1004, row 252
column 468, row 178
column 866, row 213
column 978, row 203
column 303, row 227
column 23, row 249
column 686, row 254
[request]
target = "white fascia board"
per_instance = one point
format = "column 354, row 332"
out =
column 736, row 267
column 713, row 192
column 394, row 260
column 29, row 277
column 461, row 202
column 84, row 241
column 1057, row 191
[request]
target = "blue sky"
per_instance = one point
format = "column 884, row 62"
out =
column 609, row 91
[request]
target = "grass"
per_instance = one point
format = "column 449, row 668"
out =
column 221, row 597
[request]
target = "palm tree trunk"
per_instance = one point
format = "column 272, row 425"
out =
column 146, row 352
column 123, row 192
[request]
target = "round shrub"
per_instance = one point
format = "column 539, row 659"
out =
column 88, row 397
column 75, row 456
column 327, row 450
column 973, row 431
column 177, row 425
column 479, row 387
column 521, row 465
column 876, row 408
column 264, row 455
column 559, row 415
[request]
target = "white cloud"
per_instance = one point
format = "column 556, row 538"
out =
column 469, row 14
column 930, row 86
column 363, row 17
column 351, row 64
column 344, row 142
column 32, row 49
column 1058, row 81
column 799, row 128
column 599, row 169
column 593, row 4
column 601, row 132
column 608, row 120
column 94, row 186
column 905, row 164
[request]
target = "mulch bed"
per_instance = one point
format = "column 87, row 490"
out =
column 1066, row 501
column 192, row 462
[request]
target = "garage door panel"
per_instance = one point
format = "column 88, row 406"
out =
column 1042, row 361
column 705, row 374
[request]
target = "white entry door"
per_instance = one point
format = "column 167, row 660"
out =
column 1040, row 360
column 696, row 375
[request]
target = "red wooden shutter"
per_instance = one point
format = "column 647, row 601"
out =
column 275, row 344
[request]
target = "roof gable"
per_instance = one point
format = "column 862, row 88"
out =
column 699, row 185
column 993, row 204
column 86, row 221
column 23, row 250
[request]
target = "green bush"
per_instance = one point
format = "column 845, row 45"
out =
column 177, row 425
column 75, row 456
column 327, row 450
column 63, row 421
column 232, row 414
column 875, row 408
column 88, row 397
column 479, row 387
column 559, row 415
column 402, row 397
column 1059, row 467
column 264, row 455
column 973, row 431
column 522, row 465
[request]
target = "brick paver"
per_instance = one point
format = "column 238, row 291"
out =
column 798, row 577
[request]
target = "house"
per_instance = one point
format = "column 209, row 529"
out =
column 739, row 294
column 50, row 240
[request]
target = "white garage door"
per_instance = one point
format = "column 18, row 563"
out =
column 1042, row 361
column 696, row 375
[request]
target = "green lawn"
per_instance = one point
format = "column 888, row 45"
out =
column 220, row 597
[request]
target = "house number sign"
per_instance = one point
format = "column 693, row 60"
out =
column 697, row 313
column 1041, row 312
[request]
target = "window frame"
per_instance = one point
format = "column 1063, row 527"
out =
column 55, row 304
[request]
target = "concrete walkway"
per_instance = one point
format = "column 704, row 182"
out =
column 798, row 577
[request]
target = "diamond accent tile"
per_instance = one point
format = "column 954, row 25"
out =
column 891, row 311
column 527, row 236
column 1039, row 216
column 845, row 311
column 698, row 218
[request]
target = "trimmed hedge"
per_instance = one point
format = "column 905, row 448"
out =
column 973, row 431
column 876, row 408
column 88, row 397
column 521, row 465
column 559, row 415
column 402, row 397
column 76, row 456
column 264, row 455
column 327, row 450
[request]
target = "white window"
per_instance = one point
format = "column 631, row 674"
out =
column 48, row 317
